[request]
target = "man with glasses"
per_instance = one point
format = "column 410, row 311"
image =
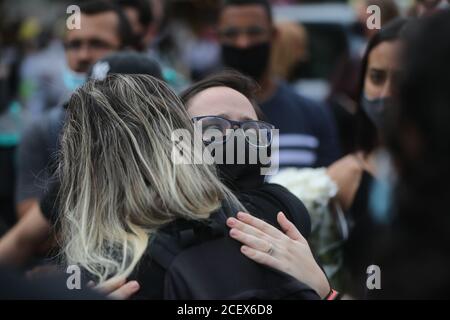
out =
column 307, row 133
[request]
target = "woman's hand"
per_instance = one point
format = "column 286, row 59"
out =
column 288, row 252
column 118, row 290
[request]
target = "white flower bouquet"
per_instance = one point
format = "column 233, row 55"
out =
column 328, row 224
column 312, row 186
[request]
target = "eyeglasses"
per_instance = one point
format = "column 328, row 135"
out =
column 216, row 129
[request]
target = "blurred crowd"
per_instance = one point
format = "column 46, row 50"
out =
column 342, row 95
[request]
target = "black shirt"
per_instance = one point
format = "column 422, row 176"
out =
column 211, row 268
column 308, row 136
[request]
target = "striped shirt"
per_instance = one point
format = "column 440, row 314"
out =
column 308, row 136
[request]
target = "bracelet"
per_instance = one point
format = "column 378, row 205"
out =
column 332, row 295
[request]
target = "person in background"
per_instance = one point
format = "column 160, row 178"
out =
column 416, row 243
column 356, row 174
column 380, row 68
column 105, row 30
column 290, row 51
column 416, row 246
column 344, row 96
column 359, row 173
column 40, row 140
column 307, row 131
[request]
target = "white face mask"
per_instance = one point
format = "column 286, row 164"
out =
column 73, row 80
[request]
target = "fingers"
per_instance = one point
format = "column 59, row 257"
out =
column 125, row 291
column 246, row 228
column 250, row 240
column 289, row 228
column 260, row 225
column 109, row 286
column 262, row 258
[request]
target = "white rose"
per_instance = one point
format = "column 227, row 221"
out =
column 312, row 186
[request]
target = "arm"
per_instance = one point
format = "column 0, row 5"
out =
column 346, row 173
column 288, row 252
column 25, row 238
column 32, row 162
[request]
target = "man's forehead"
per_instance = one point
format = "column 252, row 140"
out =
column 96, row 23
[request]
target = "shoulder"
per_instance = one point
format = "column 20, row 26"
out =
column 266, row 201
column 301, row 102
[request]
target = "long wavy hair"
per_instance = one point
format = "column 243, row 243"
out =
column 119, row 182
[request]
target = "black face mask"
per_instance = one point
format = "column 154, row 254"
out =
column 252, row 61
column 240, row 177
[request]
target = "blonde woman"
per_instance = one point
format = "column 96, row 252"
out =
column 125, row 204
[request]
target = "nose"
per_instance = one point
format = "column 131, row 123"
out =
column 387, row 89
column 243, row 41
column 84, row 57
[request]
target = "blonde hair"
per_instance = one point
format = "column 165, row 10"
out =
column 290, row 46
column 118, row 180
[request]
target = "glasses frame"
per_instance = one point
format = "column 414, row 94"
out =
column 238, row 125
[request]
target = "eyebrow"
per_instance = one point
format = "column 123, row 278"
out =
column 244, row 118
column 377, row 69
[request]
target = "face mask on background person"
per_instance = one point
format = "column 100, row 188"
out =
column 252, row 61
column 73, row 80
column 376, row 109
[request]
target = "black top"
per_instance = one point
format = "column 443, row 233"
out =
column 223, row 257
column 208, row 266
column 359, row 248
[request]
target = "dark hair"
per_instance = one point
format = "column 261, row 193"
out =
column 264, row 3
column 367, row 137
column 142, row 7
column 230, row 79
column 418, row 246
column 95, row 7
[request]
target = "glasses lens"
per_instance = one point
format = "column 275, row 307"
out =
column 214, row 129
column 258, row 133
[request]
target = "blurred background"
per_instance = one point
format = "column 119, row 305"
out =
column 318, row 51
